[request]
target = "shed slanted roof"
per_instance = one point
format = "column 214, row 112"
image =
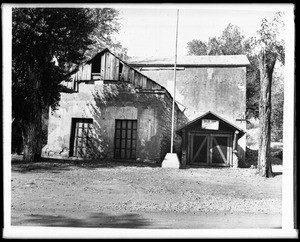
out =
column 203, row 60
column 234, row 127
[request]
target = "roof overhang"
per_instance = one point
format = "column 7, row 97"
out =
column 235, row 128
column 192, row 61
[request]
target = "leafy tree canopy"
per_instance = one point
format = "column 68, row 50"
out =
column 270, row 39
column 46, row 42
column 197, row 47
column 233, row 42
column 229, row 43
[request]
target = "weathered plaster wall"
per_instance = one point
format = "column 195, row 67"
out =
column 221, row 90
column 105, row 103
column 202, row 89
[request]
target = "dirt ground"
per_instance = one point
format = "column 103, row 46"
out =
column 118, row 195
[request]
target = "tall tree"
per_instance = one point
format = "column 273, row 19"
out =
column 232, row 40
column 45, row 41
column 268, row 47
column 253, row 82
column 277, row 99
column 229, row 43
column 214, row 46
column 102, row 36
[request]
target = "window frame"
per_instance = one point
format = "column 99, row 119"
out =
column 74, row 134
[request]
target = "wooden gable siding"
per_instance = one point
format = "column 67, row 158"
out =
column 83, row 73
column 110, row 71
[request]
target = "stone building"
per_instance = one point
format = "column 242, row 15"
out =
column 212, row 90
column 110, row 110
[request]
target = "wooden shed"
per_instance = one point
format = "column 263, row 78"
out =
column 209, row 140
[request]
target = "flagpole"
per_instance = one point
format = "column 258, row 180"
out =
column 171, row 159
column 174, row 91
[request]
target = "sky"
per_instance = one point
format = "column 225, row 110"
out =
column 150, row 30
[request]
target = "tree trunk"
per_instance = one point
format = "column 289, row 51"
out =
column 32, row 139
column 32, row 125
column 267, row 62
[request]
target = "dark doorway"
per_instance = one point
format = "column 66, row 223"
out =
column 125, row 139
column 200, row 142
column 210, row 149
column 80, row 131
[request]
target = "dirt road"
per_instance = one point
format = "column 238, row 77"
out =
column 115, row 195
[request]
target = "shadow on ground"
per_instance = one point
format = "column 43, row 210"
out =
column 97, row 220
column 191, row 166
column 277, row 173
column 59, row 165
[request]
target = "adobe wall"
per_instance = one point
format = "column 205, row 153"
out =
column 202, row 89
column 221, row 90
column 104, row 103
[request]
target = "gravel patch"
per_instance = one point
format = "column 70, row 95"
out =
column 61, row 189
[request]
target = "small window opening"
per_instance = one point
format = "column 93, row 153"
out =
column 120, row 70
column 96, row 66
column 96, row 70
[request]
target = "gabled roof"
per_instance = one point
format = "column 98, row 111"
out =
column 101, row 52
column 76, row 68
column 185, row 61
column 234, row 127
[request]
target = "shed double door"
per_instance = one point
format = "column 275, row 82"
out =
column 210, row 149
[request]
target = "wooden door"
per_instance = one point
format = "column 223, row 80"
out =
column 210, row 149
column 220, row 150
column 125, row 139
column 199, row 151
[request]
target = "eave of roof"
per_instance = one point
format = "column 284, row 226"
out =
column 191, row 61
column 130, row 66
column 217, row 116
